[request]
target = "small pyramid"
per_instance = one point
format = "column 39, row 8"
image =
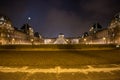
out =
column 60, row 39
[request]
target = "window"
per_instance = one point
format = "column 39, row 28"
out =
column 2, row 19
column 1, row 22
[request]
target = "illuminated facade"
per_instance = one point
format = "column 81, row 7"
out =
column 49, row 40
column 10, row 35
column 110, row 35
column 6, row 30
column 96, row 35
column 26, row 35
column 114, row 29
column 60, row 40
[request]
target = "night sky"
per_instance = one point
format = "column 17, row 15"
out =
column 51, row 17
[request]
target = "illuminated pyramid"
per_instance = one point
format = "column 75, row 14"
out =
column 60, row 40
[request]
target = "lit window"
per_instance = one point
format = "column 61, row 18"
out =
column 2, row 18
column 1, row 22
column 94, row 31
column 8, row 35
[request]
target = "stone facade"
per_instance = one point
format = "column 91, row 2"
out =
column 26, row 35
column 114, row 29
column 10, row 35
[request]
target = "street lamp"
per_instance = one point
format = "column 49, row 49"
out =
column 13, row 41
column 32, row 40
column 85, row 40
column 113, row 35
column 104, row 39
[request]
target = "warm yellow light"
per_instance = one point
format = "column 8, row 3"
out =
column 104, row 38
column 85, row 39
column 67, row 40
column 13, row 39
column 31, row 40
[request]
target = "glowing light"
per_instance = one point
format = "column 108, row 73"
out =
column 117, row 46
column 104, row 38
column 13, row 39
column 1, row 22
column 2, row 19
column 85, row 39
column 31, row 40
column 29, row 18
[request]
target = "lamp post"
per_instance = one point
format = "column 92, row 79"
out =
column 113, row 35
column 13, row 41
column 32, row 40
column 104, row 39
column 85, row 40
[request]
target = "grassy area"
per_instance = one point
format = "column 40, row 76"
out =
column 57, row 46
column 66, row 58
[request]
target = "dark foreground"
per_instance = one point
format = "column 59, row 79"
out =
column 47, row 59
column 64, row 59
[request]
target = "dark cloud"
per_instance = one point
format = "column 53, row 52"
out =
column 101, row 7
column 100, row 10
column 61, row 21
